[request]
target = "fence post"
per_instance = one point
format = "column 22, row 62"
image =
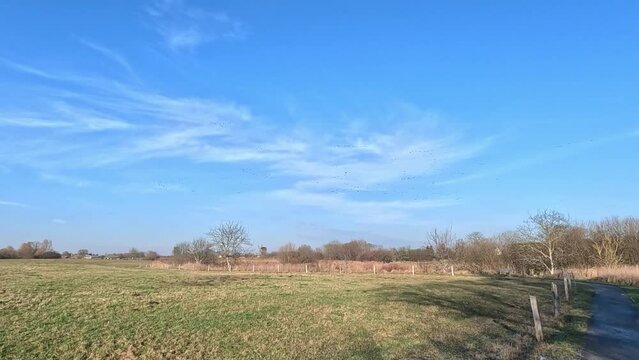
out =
column 452, row 270
column 306, row 268
column 179, row 267
column 569, row 283
column 539, row 335
column 566, row 289
column 413, row 269
column 278, row 267
column 253, row 267
column 374, row 269
column 556, row 300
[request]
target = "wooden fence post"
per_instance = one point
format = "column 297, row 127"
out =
column 374, row 270
column 556, row 300
column 413, row 269
column 306, row 268
column 452, row 270
column 566, row 289
column 539, row 335
column 569, row 282
column 278, row 267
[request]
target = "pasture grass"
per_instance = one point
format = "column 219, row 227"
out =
column 85, row 309
column 633, row 294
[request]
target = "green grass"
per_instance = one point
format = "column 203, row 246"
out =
column 633, row 293
column 113, row 310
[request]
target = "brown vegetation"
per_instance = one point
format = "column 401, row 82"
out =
column 624, row 275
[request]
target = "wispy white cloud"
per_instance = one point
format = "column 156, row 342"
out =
column 59, row 221
column 110, row 54
column 541, row 156
column 13, row 203
column 363, row 211
column 63, row 116
column 318, row 171
column 156, row 187
column 26, row 69
column 32, row 121
column 66, row 180
column 186, row 27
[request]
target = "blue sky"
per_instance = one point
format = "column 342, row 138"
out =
column 144, row 123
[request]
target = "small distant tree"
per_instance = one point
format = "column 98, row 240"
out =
column 182, row 252
column 45, row 246
column 263, row 251
column 306, row 254
column 27, row 250
column 441, row 242
column 333, row 250
column 135, row 254
column 230, row 239
column 544, row 235
column 287, row 253
column 9, row 253
column 151, row 255
column 479, row 253
column 83, row 252
column 50, row 255
column 201, row 249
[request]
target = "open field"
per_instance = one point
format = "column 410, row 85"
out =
column 113, row 309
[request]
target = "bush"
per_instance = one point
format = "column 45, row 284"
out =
column 50, row 255
column 8, row 253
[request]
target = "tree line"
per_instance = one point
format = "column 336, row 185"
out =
column 44, row 250
column 547, row 241
column 227, row 241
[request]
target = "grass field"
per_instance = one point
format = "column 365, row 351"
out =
column 64, row 309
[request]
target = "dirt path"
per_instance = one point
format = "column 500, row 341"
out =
column 613, row 331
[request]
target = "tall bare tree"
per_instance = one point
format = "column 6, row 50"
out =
column 441, row 242
column 230, row 239
column 544, row 234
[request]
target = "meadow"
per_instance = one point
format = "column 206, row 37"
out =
column 101, row 309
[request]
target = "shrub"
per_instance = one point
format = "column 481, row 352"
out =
column 50, row 255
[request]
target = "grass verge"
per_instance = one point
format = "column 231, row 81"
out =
column 113, row 310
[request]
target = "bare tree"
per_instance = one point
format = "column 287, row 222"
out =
column 631, row 240
column 607, row 238
column 151, row 255
column 27, row 250
column 42, row 247
column 287, row 253
column 544, row 234
column 441, row 242
column 135, row 254
column 200, row 249
column 230, row 239
column 9, row 253
column 182, row 252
